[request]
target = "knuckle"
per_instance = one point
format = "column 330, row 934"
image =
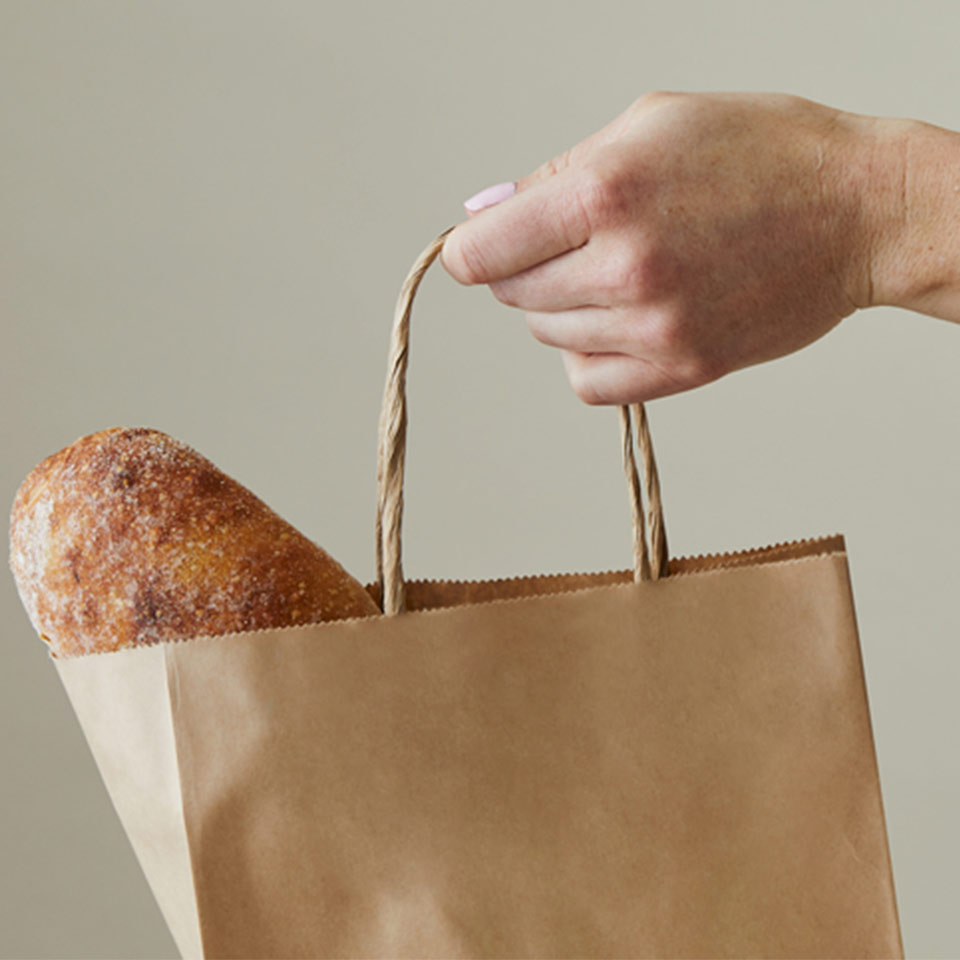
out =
column 625, row 277
column 583, row 387
column 704, row 367
column 539, row 327
column 504, row 292
column 653, row 97
column 553, row 166
column 639, row 274
column 601, row 196
column 587, row 393
column 468, row 264
column 689, row 371
column 671, row 334
column 692, row 363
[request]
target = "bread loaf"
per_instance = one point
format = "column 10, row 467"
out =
column 128, row 537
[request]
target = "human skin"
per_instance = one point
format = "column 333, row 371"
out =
column 698, row 234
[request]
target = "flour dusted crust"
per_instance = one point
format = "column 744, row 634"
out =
column 129, row 537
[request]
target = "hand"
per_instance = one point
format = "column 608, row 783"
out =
column 695, row 235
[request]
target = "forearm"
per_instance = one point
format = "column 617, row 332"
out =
column 915, row 201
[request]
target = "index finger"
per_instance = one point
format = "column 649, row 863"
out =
column 540, row 222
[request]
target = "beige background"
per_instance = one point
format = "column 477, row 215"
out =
column 206, row 210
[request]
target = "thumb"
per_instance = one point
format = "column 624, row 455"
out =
column 490, row 196
column 552, row 167
column 576, row 155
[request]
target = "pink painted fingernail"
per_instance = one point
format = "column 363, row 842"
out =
column 490, row 196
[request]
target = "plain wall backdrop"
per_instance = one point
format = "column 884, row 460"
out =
column 206, row 211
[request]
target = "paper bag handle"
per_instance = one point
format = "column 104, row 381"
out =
column 648, row 565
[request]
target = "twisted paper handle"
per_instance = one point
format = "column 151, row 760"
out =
column 648, row 565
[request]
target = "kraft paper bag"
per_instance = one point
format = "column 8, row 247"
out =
column 673, row 760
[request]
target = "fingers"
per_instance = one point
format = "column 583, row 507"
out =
column 560, row 283
column 609, row 378
column 603, row 273
column 553, row 210
column 538, row 223
column 615, row 356
column 589, row 330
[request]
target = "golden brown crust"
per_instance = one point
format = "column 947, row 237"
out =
column 130, row 537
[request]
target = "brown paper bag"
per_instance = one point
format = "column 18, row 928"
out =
column 670, row 761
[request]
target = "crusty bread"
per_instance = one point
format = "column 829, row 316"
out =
column 128, row 537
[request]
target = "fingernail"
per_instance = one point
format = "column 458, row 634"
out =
column 490, row 196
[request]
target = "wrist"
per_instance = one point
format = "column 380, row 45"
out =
column 910, row 201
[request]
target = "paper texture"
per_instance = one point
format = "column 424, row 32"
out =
column 672, row 768
column 123, row 705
